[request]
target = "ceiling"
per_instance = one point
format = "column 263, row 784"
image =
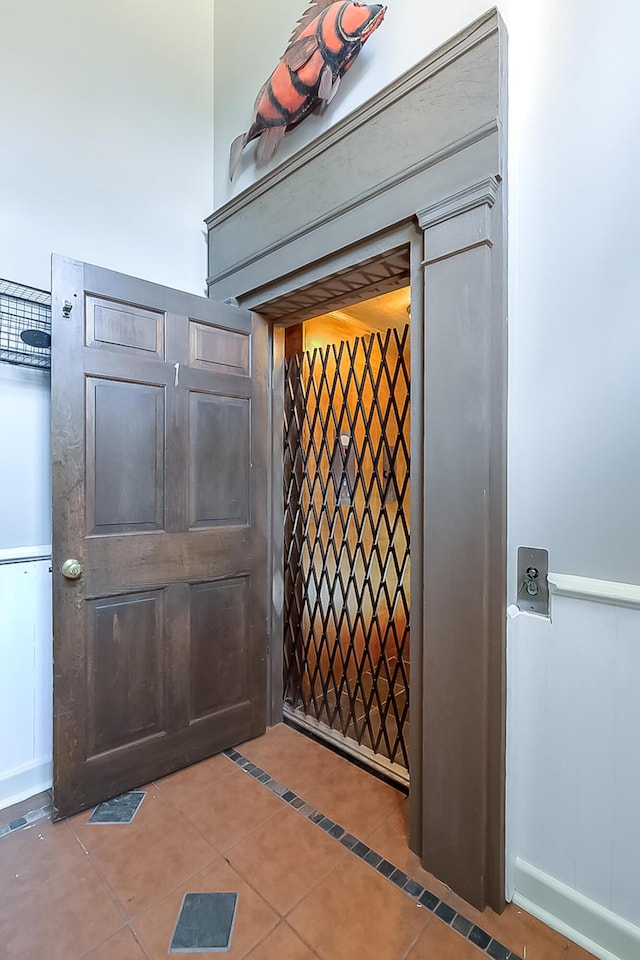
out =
column 359, row 319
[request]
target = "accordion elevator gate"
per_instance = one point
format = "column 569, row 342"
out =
column 346, row 499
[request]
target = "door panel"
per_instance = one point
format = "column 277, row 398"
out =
column 220, row 437
column 125, row 468
column 125, row 669
column 159, row 426
column 219, row 644
column 121, row 327
column 220, row 350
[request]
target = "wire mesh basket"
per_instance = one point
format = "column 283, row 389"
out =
column 25, row 325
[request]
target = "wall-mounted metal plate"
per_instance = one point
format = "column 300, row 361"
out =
column 533, row 584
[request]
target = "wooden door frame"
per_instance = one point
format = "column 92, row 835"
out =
column 433, row 174
column 405, row 235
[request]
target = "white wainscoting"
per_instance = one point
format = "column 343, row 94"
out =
column 25, row 674
column 573, row 766
column 598, row 930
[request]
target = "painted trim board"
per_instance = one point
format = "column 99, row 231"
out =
column 598, row 591
column 24, row 782
column 24, row 554
column 593, row 927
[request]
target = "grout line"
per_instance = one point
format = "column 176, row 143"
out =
column 112, row 893
column 407, row 953
column 259, row 942
column 139, row 941
column 223, row 855
column 167, row 893
column 105, row 883
column 300, row 936
column 416, row 891
column 102, row 942
column 115, row 934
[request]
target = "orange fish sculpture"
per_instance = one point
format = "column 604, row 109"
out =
column 326, row 41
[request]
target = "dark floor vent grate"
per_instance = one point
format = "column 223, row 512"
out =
column 25, row 325
column 346, row 650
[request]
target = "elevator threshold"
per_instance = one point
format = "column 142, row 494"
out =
column 375, row 761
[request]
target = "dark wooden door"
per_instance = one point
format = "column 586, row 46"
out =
column 159, row 428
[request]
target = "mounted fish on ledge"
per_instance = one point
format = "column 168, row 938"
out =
column 326, row 41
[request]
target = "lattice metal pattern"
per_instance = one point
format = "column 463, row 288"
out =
column 347, row 539
column 25, row 325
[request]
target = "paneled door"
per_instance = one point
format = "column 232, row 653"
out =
column 159, row 447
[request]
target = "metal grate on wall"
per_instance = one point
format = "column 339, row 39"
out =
column 346, row 643
column 25, row 325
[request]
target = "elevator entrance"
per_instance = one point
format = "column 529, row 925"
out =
column 295, row 244
column 347, row 519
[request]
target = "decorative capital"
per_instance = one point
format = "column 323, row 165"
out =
column 479, row 194
column 459, row 222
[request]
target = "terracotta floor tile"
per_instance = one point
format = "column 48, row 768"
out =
column 33, row 855
column 61, row 919
column 144, row 867
column 226, row 812
column 356, row 913
column 122, row 946
column 440, row 942
column 516, row 929
column 282, row 944
column 285, row 857
column 254, row 918
column 354, row 799
column 280, row 735
column 292, row 758
column 391, row 840
column 181, row 786
column 153, row 807
column 56, row 895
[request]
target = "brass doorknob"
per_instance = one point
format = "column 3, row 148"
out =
column 71, row 569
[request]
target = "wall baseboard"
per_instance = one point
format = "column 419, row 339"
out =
column 591, row 926
column 25, row 782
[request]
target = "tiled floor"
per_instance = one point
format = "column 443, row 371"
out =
column 113, row 891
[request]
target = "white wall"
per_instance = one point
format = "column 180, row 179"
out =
column 107, row 133
column 573, row 761
column 575, row 392
column 574, row 86
column 410, row 30
column 107, row 137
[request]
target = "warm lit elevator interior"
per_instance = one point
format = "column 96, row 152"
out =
column 346, row 478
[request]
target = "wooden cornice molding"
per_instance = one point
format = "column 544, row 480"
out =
column 460, row 44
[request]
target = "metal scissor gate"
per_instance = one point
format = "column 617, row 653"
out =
column 346, row 635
